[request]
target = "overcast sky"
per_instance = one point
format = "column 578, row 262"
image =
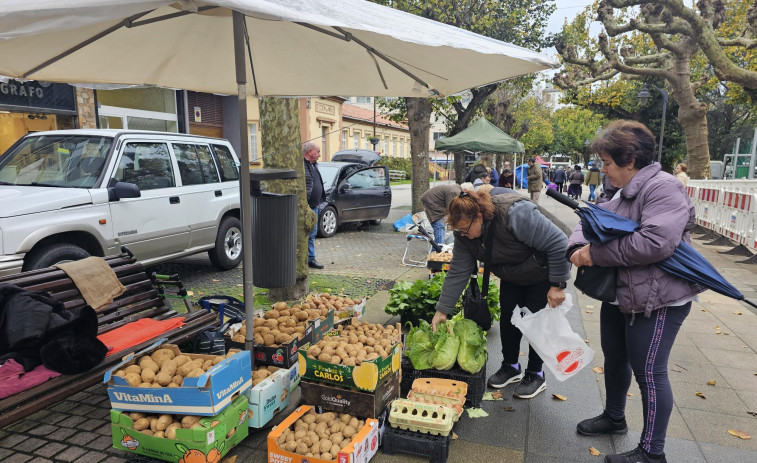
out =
column 565, row 9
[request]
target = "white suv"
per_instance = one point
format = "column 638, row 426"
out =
column 69, row 194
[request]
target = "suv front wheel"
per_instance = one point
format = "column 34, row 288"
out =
column 327, row 222
column 53, row 254
column 227, row 252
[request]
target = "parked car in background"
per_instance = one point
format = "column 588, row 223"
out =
column 356, row 191
column 66, row 195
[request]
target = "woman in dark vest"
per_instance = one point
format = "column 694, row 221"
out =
column 528, row 255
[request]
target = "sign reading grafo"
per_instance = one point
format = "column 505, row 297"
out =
column 37, row 95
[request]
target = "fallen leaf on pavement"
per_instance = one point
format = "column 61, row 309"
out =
column 216, row 281
column 589, row 306
column 699, row 394
column 711, row 382
column 675, row 369
column 492, row 396
column 454, row 436
column 752, row 413
column 630, row 394
column 559, row 397
column 358, row 255
column 594, row 451
column 703, row 310
column 739, row 434
column 521, row 353
column 737, row 313
column 190, row 293
column 231, row 459
column 477, row 413
column 586, row 341
column 497, row 395
column 239, row 285
column 512, row 409
column 589, row 311
column 598, row 370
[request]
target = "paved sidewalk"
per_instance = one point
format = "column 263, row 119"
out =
column 717, row 343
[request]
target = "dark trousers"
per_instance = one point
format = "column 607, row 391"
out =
column 559, row 186
column 641, row 349
column 534, row 297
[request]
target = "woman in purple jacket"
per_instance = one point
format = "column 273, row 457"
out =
column 639, row 329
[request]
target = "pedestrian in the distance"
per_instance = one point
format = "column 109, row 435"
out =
column 560, row 178
column 593, row 179
column 316, row 194
column 435, row 202
column 528, row 255
column 681, row 173
column 507, row 178
column 638, row 330
column 535, row 181
column 576, row 179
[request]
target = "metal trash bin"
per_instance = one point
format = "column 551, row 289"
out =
column 274, row 232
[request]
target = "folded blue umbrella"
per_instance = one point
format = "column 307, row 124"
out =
column 600, row 226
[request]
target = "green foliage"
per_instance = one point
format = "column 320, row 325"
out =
column 573, row 127
column 418, row 299
column 533, row 119
column 405, row 164
column 446, row 345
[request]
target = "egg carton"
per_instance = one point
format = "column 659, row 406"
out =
column 421, row 417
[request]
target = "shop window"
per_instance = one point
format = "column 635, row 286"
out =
column 196, row 165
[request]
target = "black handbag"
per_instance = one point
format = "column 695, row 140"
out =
column 475, row 305
column 597, row 282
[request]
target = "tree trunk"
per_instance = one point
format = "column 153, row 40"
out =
column 459, row 167
column 280, row 134
column 419, row 123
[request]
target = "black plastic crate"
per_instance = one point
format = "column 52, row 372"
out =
column 476, row 382
column 407, row 376
column 416, row 443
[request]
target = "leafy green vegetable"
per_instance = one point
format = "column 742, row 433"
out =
column 420, row 346
column 472, row 352
column 446, row 345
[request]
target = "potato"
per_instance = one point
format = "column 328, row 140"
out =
column 160, row 434
column 325, row 445
column 147, row 432
column 335, row 359
column 218, row 359
column 161, row 355
column 301, row 448
column 163, row 422
column 269, row 339
column 335, row 449
column 133, row 369
column 169, row 366
column 154, row 424
column 181, row 360
column 163, row 378
column 173, row 385
column 140, row 424
column 348, row 432
column 147, row 362
column 336, row 438
column 148, row 375
column 207, row 365
column 133, row 379
column 146, row 384
column 120, row 373
column 170, row 431
column 196, row 373
column 189, row 420
column 177, row 379
column 282, row 338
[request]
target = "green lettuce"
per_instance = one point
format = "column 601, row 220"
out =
column 446, row 345
column 420, row 346
column 471, row 355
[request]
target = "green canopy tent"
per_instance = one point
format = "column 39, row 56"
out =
column 482, row 135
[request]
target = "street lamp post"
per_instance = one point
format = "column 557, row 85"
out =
column 644, row 98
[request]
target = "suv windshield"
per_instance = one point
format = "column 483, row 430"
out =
column 328, row 174
column 73, row 161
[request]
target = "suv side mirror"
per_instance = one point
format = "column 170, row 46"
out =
column 118, row 190
column 345, row 186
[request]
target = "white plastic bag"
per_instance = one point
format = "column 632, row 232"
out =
column 548, row 332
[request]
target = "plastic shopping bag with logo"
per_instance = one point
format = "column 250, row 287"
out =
column 548, row 332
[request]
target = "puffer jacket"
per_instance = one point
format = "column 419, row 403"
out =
column 659, row 203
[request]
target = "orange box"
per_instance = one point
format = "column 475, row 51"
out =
column 363, row 447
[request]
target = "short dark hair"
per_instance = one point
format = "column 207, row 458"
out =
column 626, row 142
column 531, row 160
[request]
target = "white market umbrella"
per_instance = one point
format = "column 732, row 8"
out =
column 256, row 47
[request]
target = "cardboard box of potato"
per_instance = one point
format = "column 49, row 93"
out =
column 139, row 382
column 271, row 395
column 186, row 438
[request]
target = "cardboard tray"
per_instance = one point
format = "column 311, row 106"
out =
column 371, row 373
column 206, row 395
column 343, row 400
column 422, row 417
column 363, row 447
column 209, row 443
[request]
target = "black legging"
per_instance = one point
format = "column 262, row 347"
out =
column 641, row 348
column 534, row 297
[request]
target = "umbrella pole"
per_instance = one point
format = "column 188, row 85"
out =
column 750, row 303
column 244, row 178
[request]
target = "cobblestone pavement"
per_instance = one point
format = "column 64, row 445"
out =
column 718, row 342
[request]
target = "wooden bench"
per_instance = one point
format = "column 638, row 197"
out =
column 141, row 299
column 397, row 175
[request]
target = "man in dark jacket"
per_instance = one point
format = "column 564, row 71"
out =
column 560, row 178
column 316, row 194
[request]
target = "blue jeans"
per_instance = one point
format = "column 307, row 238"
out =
column 591, row 192
column 439, row 230
column 311, row 238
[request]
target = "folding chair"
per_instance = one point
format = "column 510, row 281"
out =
column 417, row 233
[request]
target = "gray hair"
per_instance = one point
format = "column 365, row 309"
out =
column 308, row 146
